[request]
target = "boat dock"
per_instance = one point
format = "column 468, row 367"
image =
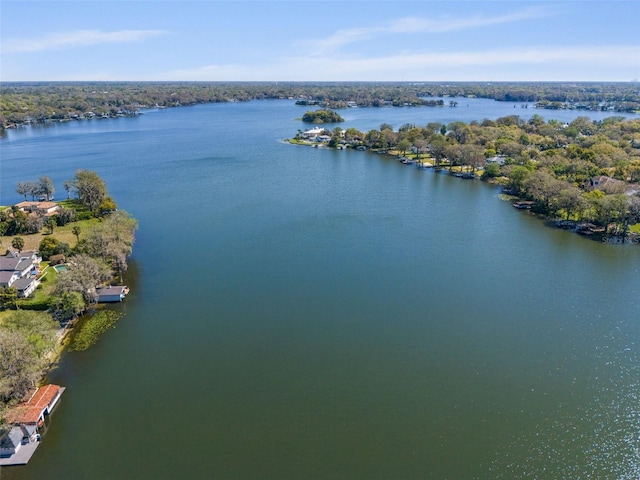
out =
column 18, row 444
column 22, row 456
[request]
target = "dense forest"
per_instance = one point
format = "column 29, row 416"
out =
column 584, row 173
column 22, row 103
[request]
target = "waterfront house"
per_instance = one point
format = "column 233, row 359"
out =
column 19, row 443
column 10, row 442
column 45, row 208
column 606, row 184
column 20, row 270
column 314, row 133
column 15, row 438
column 498, row 160
column 33, row 411
column 111, row 293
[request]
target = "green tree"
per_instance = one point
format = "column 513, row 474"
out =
column 8, row 297
column 113, row 239
column 336, row 137
column 48, row 247
column 420, row 144
column 611, row 210
column 492, row 170
column 403, row 146
column 37, row 327
column 18, row 243
column 389, row 138
column 76, row 231
column 543, row 187
column 351, row 134
column 84, row 274
column 438, row 147
column 20, row 366
column 517, row 178
column 64, row 216
column 90, row 188
column 472, row 155
column 634, row 210
column 322, row 116
column 50, row 223
column 454, row 154
column 46, row 188
column 108, row 205
column 67, row 305
column 571, row 201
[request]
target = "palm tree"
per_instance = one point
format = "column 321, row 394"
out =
column 76, row 231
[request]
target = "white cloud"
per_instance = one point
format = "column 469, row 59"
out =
column 449, row 24
column 75, row 39
column 530, row 63
column 549, row 62
column 423, row 25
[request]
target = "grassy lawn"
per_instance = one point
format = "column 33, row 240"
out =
column 64, row 234
column 635, row 228
column 40, row 298
column 298, row 142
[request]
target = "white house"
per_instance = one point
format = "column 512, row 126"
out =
column 112, row 293
column 314, row 133
column 498, row 159
column 20, row 270
column 45, row 208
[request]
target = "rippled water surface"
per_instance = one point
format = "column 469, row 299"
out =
column 307, row 313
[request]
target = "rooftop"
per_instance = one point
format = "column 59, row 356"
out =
column 31, row 410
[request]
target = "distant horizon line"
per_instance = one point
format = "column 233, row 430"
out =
column 635, row 80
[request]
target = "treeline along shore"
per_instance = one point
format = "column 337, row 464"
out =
column 33, row 103
column 585, row 175
column 59, row 258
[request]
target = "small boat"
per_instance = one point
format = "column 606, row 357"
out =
column 524, row 205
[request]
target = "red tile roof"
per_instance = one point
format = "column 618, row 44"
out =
column 31, row 410
column 44, row 396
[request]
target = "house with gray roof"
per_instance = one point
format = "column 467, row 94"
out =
column 606, row 184
column 112, row 293
column 10, row 442
column 20, row 270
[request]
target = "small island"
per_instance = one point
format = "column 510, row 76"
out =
column 33, row 104
column 61, row 260
column 582, row 176
column 323, row 115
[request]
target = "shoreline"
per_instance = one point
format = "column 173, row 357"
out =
column 584, row 228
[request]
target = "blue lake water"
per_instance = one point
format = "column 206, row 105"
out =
column 308, row 313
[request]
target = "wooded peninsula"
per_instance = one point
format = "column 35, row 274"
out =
column 60, row 257
column 585, row 175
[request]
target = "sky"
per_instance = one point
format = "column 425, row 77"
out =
column 319, row 40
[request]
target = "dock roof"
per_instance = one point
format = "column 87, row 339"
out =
column 32, row 410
